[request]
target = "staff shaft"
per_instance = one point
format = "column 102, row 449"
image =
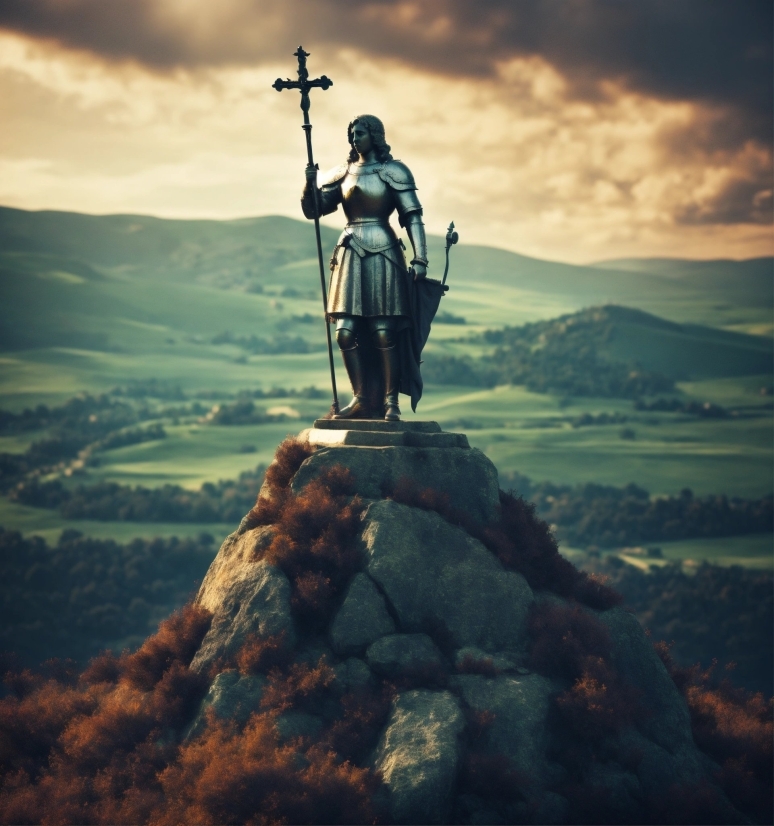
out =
column 307, row 127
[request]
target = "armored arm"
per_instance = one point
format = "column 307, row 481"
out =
column 416, row 233
column 400, row 179
column 328, row 195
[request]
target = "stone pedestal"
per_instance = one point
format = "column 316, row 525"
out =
column 378, row 433
column 381, row 454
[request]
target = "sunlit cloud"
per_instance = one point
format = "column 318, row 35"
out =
column 516, row 158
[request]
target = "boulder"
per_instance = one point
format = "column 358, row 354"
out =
column 665, row 720
column 398, row 655
column 232, row 697
column 464, row 474
column 362, row 618
column 354, row 675
column 520, row 705
column 418, row 755
column 236, row 556
column 245, row 598
column 438, row 578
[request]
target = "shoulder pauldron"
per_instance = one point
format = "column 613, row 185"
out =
column 397, row 175
column 333, row 176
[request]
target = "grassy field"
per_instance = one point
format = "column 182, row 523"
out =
column 88, row 304
column 39, row 522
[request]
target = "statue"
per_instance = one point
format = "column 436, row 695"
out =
column 369, row 297
column 382, row 311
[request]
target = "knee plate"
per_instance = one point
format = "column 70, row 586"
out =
column 345, row 333
column 383, row 332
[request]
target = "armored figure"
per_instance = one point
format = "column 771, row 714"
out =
column 369, row 288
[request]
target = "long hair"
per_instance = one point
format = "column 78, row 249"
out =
column 376, row 130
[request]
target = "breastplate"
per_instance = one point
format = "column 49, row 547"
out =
column 367, row 203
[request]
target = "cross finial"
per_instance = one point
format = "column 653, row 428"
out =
column 303, row 84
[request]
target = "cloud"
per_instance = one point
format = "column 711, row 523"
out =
column 514, row 158
column 699, row 50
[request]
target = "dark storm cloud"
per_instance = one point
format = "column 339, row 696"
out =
column 739, row 202
column 714, row 50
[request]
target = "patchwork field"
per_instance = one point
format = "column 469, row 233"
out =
column 214, row 308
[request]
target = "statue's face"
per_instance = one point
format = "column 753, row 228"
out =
column 361, row 139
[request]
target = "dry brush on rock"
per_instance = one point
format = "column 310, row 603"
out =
column 353, row 660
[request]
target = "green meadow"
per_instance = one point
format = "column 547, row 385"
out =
column 88, row 304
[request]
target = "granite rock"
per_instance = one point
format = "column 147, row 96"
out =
column 245, row 597
column 398, row 655
column 362, row 618
column 231, row 696
column 464, row 474
column 520, row 705
column 436, row 576
column 418, row 755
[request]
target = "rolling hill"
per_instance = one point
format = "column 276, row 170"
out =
column 82, row 281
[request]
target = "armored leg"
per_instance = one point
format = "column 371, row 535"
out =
column 383, row 331
column 346, row 338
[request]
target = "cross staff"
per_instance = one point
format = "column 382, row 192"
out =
column 303, row 84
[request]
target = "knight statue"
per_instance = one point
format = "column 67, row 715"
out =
column 370, row 293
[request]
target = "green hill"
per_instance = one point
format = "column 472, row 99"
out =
column 608, row 351
column 89, row 302
column 682, row 352
column 84, row 281
column 750, row 282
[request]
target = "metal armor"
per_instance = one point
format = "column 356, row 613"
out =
column 369, row 194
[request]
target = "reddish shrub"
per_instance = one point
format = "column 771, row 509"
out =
column 104, row 668
column 568, row 642
column 407, row 492
column 525, row 544
column 290, row 455
column 90, row 751
column 31, row 725
column 301, row 686
column 177, row 640
column 313, row 595
column 315, row 545
column 260, row 654
column 598, row 703
column 735, row 728
column 225, row 777
column 563, row 637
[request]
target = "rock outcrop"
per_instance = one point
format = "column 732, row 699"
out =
column 475, row 729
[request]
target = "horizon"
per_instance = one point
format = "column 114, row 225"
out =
column 245, row 218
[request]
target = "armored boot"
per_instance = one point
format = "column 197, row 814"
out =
column 390, row 369
column 353, row 361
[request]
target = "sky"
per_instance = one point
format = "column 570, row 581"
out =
column 572, row 130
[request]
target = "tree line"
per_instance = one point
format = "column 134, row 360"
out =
column 606, row 516
column 713, row 613
column 75, row 598
column 223, row 501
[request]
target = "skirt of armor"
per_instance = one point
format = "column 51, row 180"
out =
column 368, row 286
